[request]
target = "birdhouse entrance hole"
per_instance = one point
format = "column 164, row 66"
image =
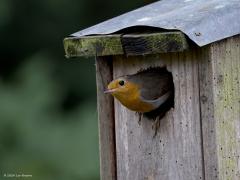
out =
column 166, row 86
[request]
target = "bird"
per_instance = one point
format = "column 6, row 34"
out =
column 144, row 91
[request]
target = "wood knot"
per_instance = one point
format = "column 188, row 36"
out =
column 203, row 99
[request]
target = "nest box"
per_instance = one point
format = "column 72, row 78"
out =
column 199, row 43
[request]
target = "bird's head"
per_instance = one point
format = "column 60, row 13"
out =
column 122, row 88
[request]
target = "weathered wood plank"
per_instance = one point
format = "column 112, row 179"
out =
column 207, row 115
column 175, row 153
column 128, row 44
column 142, row 44
column 220, row 109
column 102, row 45
column 106, row 120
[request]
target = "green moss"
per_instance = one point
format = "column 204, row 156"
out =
column 93, row 46
column 129, row 44
column 226, row 113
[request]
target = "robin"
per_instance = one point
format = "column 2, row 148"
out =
column 144, row 91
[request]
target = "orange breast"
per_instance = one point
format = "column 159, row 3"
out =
column 138, row 105
column 132, row 101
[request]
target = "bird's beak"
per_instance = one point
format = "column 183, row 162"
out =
column 109, row 91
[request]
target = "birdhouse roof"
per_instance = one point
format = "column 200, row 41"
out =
column 202, row 21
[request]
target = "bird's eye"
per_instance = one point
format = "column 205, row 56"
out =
column 121, row 83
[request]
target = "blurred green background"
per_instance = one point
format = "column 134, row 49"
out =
column 48, row 116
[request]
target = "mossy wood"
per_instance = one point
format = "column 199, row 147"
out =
column 128, row 44
column 219, row 80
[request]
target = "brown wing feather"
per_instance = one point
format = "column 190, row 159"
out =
column 153, row 83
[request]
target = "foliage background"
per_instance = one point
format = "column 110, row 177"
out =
column 48, row 116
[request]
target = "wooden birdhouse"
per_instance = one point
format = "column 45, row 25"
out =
column 198, row 42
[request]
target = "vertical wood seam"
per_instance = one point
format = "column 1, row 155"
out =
column 201, row 126
column 113, row 121
column 114, row 129
column 111, row 146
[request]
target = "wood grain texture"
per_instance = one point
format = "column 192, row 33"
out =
column 101, row 45
column 128, row 44
column 220, row 109
column 153, row 43
column 175, row 153
column 207, row 114
column 106, row 120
